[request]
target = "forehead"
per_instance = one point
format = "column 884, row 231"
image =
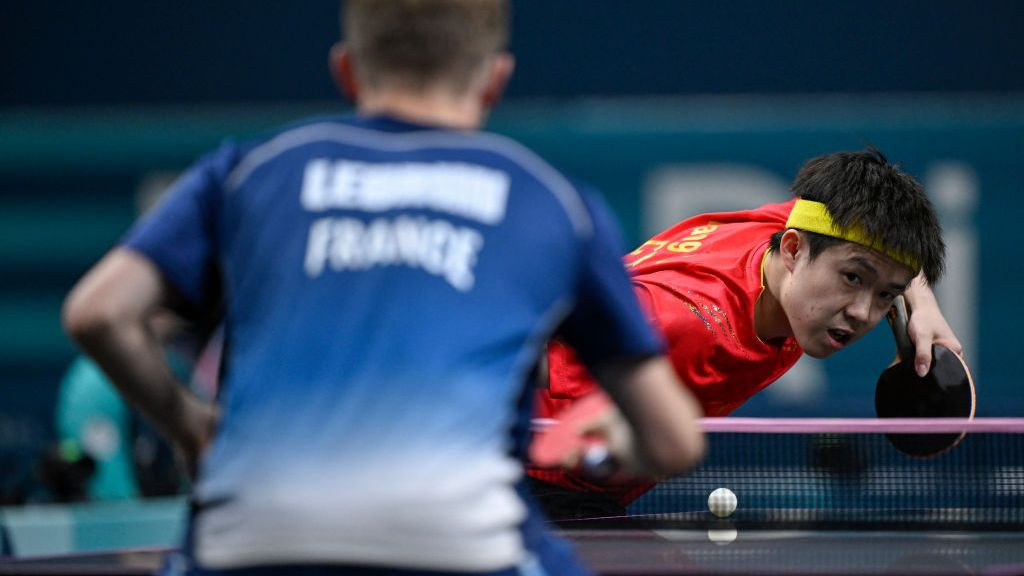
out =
column 850, row 254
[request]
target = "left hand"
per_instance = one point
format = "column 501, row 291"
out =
column 927, row 325
column 196, row 427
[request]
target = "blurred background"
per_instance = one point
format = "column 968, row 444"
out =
column 669, row 107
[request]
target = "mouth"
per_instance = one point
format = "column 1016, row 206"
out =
column 839, row 337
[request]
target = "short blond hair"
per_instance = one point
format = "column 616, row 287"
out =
column 423, row 43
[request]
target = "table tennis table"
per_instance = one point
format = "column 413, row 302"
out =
column 827, row 499
column 622, row 551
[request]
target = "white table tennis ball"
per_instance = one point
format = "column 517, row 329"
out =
column 722, row 536
column 722, row 502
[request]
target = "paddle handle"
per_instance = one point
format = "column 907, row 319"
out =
column 898, row 317
column 598, row 463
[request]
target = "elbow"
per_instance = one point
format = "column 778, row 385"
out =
column 85, row 320
column 115, row 296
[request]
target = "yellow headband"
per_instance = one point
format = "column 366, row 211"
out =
column 813, row 216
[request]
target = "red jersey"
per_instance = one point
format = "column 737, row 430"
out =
column 698, row 282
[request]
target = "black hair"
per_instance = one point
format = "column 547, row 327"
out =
column 863, row 189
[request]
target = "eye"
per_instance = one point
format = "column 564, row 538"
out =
column 887, row 297
column 852, row 278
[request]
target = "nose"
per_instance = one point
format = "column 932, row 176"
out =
column 859, row 309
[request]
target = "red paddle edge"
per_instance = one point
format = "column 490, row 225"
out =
column 974, row 402
column 554, row 441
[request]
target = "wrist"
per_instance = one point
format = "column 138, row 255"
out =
column 919, row 291
column 179, row 424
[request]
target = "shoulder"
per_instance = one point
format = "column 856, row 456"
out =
column 581, row 203
column 713, row 285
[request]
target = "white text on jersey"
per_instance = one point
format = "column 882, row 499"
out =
column 436, row 246
column 461, row 189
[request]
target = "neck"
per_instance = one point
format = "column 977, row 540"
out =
column 435, row 108
column 770, row 321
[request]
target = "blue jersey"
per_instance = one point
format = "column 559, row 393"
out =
column 386, row 288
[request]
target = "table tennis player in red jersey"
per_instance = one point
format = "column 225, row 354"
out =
column 740, row 296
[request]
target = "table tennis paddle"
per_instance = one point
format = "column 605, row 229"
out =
column 559, row 439
column 947, row 391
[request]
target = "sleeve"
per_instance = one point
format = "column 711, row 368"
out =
column 607, row 322
column 180, row 235
column 684, row 331
column 568, row 378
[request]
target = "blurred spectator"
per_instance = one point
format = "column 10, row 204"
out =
column 104, row 450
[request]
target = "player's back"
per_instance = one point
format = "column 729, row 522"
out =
column 388, row 290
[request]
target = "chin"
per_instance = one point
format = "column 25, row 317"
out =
column 819, row 354
column 818, row 351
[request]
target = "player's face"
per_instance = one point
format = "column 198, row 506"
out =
column 836, row 298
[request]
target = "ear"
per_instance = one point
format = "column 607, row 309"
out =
column 789, row 248
column 339, row 61
column 498, row 74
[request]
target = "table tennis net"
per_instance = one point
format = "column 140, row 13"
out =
column 822, row 473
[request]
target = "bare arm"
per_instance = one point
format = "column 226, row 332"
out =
column 107, row 314
column 663, row 434
column 927, row 325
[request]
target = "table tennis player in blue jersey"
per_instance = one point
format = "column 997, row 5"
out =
column 387, row 281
